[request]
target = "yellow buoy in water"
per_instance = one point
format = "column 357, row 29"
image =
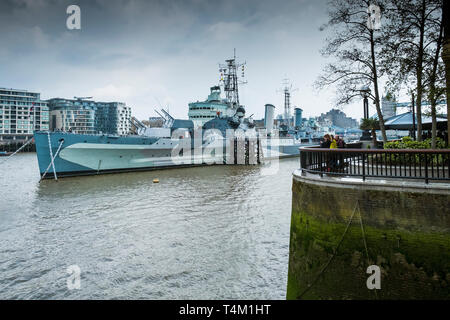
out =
column 155, row 180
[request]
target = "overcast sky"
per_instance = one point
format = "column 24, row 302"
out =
column 147, row 53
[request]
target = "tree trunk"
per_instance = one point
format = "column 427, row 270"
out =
column 433, row 124
column 375, row 86
column 374, row 139
column 419, row 105
column 434, row 95
column 419, row 70
column 446, row 58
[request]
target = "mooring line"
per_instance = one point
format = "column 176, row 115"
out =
column 364, row 236
column 52, row 162
column 18, row 150
column 51, row 154
column 365, row 242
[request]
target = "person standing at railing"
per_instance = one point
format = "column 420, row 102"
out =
column 326, row 141
column 340, row 142
column 325, row 144
column 333, row 143
column 332, row 164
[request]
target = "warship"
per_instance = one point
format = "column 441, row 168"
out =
column 217, row 132
column 177, row 143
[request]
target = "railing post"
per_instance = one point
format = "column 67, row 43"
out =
column 257, row 152
column 320, row 164
column 235, row 152
column 247, row 151
column 426, row 169
column 364, row 166
column 302, row 159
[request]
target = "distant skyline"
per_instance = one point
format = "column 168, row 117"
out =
column 147, row 53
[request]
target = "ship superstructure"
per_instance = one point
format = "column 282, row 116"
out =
column 201, row 112
column 215, row 106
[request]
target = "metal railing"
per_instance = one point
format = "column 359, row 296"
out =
column 423, row 164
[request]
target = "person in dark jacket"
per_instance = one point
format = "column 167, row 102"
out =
column 326, row 142
column 340, row 158
column 340, row 142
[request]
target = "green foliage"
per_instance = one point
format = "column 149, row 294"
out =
column 409, row 143
column 407, row 139
column 417, row 159
column 390, row 96
column 369, row 124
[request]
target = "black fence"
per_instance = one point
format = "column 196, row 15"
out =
column 423, row 164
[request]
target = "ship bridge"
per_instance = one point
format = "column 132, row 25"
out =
column 201, row 112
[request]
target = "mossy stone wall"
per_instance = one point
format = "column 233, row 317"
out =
column 407, row 234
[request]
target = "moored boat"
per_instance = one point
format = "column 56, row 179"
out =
column 5, row 153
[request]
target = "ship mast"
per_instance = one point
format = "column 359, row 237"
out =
column 287, row 90
column 230, row 81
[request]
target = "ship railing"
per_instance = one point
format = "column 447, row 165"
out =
column 420, row 164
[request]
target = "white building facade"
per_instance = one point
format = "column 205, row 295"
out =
column 21, row 112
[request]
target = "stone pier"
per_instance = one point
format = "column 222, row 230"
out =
column 340, row 226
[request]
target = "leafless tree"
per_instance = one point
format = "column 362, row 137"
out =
column 446, row 58
column 410, row 44
column 435, row 83
column 355, row 45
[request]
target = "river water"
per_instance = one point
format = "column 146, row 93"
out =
column 216, row 232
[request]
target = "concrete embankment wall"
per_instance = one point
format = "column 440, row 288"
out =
column 405, row 227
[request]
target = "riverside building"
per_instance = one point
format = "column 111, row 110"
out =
column 21, row 112
column 89, row 117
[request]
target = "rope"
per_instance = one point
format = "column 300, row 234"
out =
column 52, row 161
column 332, row 257
column 365, row 244
column 51, row 154
column 364, row 237
column 18, row 150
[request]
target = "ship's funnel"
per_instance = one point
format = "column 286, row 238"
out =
column 268, row 118
column 298, row 117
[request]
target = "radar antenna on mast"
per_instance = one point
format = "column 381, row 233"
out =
column 287, row 90
column 230, row 81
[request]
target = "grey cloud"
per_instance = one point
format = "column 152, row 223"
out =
column 164, row 49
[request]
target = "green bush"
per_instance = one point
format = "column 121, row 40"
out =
column 416, row 159
column 409, row 143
